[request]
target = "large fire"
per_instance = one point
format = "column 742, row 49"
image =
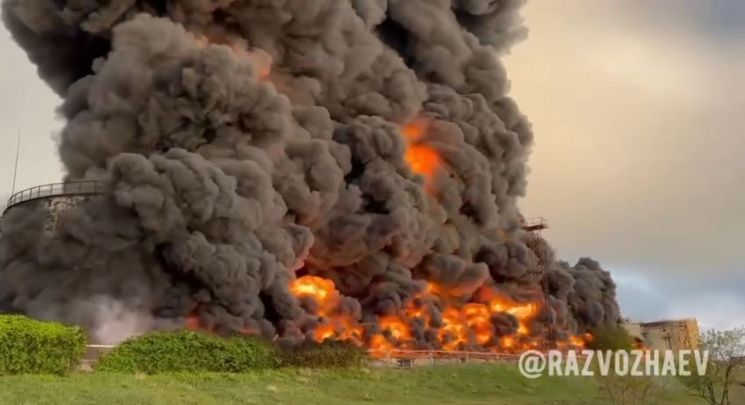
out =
column 454, row 325
column 300, row 170
column 457, row 326
column 465, row 327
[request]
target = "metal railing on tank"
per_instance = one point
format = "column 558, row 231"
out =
column 57, row 189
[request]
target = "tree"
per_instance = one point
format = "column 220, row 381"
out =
column 726, row 356
column 610, row 337
column 631, row 390
column 623, row 389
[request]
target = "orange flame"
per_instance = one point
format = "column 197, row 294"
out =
column 334, row 326
column 421, row 158
column 193, row 323
column 396, row 326
column 462, row 326
column 576, row 341
column 478, row 319
column 341, row 328
column 525, row 313
column 379, row 343
column 319, row 289
column 639, row 344
column 507, row 342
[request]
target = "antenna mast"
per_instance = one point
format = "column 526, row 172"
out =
column 15, row 169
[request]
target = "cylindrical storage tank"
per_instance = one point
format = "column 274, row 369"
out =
column 56, row 198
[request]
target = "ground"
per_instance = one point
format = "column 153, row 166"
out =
column 491, row 384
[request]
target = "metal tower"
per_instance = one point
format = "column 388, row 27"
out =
column 535, row 226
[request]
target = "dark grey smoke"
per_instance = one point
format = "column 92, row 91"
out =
column 226, row 184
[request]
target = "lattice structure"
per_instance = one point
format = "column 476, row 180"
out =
column 535, row 226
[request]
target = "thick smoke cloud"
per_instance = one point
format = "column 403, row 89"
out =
column 249, row 142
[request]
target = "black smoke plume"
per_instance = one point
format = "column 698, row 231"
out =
column 246, row 143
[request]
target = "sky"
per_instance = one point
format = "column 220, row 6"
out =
column 638, row 163
column 637, row 109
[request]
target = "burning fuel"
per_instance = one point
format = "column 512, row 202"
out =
column 421, row 158
column 332, row 169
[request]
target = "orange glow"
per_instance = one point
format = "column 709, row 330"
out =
column 575, row 342
column 193, row 323
column 525, row 313
column 378, row 343
column 418, row 306
column 431, row 288
column 415, row 131
column 312, row 286
column 352, row 332
column 507, row 342
column 462, row 326
column 454, row 331
column 323, row 332
column 413, row 311
column 638, row 344
column 321, row 290
column 394, row 333
column 333, row 326
column 340, row 328
column 421, row 158
column 478, row 319
column 396, row 326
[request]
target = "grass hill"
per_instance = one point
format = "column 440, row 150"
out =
column 491, row 384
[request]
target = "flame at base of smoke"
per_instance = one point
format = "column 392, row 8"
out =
column 466, row 327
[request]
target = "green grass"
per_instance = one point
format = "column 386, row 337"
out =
column 457, row 384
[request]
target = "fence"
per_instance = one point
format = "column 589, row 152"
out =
column 412, row 358
column 57, row 189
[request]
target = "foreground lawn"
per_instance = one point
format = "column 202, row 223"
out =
column 460, row 384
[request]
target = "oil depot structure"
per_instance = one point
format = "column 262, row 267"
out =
column 669, row 334
column 55, row 198
column 58, row 197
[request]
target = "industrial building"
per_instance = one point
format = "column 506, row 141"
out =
column 53, row 199
column 666, row 334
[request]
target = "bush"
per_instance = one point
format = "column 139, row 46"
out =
column 28, row 346
column 631, row 390
column 325, row 355
column 161, row 352
column 610, row 337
